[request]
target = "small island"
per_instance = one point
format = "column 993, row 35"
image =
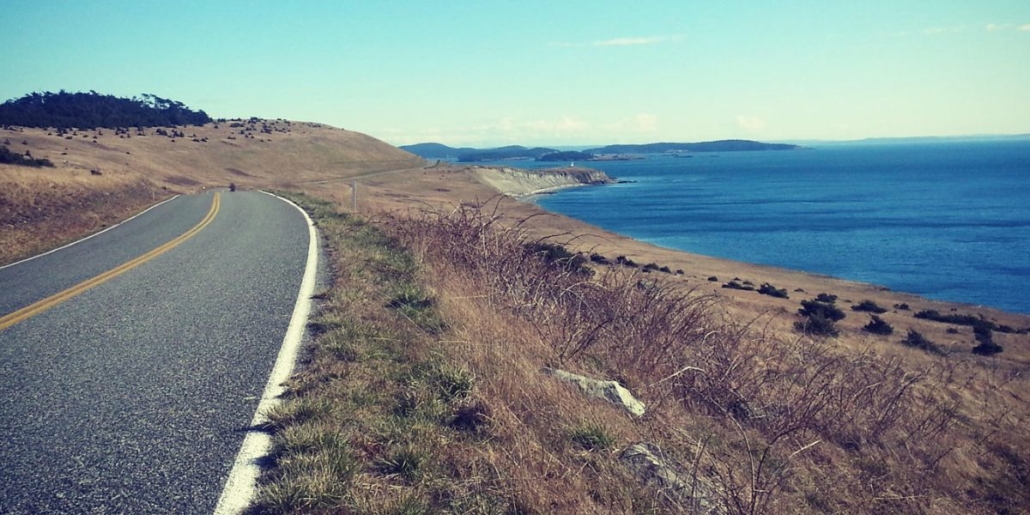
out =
column 606, row 153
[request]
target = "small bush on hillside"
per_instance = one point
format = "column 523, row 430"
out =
column 554, row 254
column 820, row 315
column 878, row 326
column 14, row 158
column 917, row 340
column 623, row 260
column 772, row 291
column 983, row 334
column 818, row 325
column 869, row 307
column 734, row 285
column 599, row 259
column 901, row 307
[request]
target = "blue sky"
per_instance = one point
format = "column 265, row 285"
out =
column 547, row 72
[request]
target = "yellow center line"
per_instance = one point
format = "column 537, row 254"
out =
column 49, row 302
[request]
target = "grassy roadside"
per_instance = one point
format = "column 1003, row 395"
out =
column 424, row 394
column 36, row 216
column 376, row 403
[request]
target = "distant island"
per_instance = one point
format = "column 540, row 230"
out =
column 606, row 153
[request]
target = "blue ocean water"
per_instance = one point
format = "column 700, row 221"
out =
column 949, row 221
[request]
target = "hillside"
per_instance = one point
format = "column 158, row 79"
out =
column 101, row 175
column 518, row 183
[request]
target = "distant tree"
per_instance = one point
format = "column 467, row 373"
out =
column 91, row 110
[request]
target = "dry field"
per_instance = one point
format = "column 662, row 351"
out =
column 434, row 290
column 102, row 176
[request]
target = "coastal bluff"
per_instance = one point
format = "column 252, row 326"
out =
column 516, row 182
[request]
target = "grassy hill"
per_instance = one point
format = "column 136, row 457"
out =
column 100, row 175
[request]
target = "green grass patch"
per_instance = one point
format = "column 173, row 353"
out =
column 373, row 405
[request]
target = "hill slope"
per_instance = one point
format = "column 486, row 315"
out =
column 102, row 175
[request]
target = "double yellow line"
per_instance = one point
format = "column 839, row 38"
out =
column 49, row 302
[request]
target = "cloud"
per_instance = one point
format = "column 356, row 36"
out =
column 620, row 42
column 934, row 31
column 750, row 123
column 631, row 41
column 994, row 27
column 1025, row 28
column 639, row 123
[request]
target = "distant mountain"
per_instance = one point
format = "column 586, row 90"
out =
column 917, row 140
column 568, row 155
column 471, row 155
column 727, row 145
column 504, row 153
column 436, row 150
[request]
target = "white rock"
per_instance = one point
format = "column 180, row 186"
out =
column 610, row 391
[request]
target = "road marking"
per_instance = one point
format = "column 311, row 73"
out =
column 49, row 302
column 98, row 233
column 241, row 485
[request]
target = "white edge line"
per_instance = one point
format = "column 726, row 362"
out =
column 241, row 485
column 98, row 233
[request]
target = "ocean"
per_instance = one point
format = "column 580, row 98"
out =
column 948, row 221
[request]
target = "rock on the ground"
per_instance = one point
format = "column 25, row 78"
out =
column 610, row 391
column 694, row 494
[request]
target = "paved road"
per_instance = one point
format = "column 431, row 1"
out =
column 133, row 396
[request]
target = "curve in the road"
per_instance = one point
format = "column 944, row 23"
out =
column 136, row 395
column 53, row 300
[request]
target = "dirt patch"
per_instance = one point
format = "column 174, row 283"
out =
column 237, row 172
column 182, row 181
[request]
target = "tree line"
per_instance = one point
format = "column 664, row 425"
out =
column 91, row 110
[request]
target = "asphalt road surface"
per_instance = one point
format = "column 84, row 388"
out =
column 134, row 396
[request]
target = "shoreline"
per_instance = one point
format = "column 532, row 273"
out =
column 699, row 269
column 523, row 192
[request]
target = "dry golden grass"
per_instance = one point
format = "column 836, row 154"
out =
column 784, row 418
column 42, row 207
column 766, row 423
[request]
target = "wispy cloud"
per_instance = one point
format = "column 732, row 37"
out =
column 934, row 31
column 621, row 42
column 750, row 123
column 997, row 27
column 650, row 40
column 639, row 123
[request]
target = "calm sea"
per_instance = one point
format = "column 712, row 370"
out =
column 949, row 221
